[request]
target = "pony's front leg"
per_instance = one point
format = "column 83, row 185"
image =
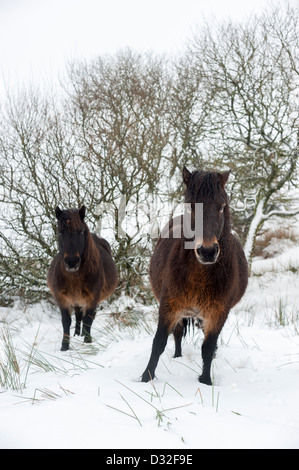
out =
column 159, row 344
column 208, row 350
column 87, row 322
column 160, row 341
column 79, row 316
column 209, row 347
column 66, row 324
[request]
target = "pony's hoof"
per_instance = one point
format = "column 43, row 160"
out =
column 64, row 347
column 205, row 380
column 146, row 377
column 177, row 355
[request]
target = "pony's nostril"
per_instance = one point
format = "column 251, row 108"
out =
column 198, row 249
column 72, row 262
column 208, row 254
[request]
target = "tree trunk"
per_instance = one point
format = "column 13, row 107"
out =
column 256, row 222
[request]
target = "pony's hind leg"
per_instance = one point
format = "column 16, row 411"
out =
column 79, row 316
column 66, row 324
column 178, row 334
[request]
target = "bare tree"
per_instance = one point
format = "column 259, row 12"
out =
column 118, row 137
column 118, row 108
column 253, row 69
column 37, row 170
column 104, row 144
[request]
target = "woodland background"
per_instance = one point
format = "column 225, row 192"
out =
column 123, row 126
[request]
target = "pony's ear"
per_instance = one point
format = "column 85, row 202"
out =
column 224, row 177
column 82, row 212
column 58, row 212
column 186, row 176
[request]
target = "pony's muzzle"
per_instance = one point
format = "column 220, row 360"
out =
column 72, row 263
column 207, row 254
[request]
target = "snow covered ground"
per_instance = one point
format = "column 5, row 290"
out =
column 92, row 397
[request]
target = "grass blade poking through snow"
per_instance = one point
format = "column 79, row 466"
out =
column 123, row 412
column 160, row 413
column 10, row 376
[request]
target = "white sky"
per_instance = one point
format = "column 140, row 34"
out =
column 37, row 37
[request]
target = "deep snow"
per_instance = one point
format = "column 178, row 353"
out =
column 92, row 397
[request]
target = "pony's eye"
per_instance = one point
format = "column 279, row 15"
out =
column 222, row 208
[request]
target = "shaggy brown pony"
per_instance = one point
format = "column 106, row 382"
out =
column 81, row 275
column 204, row 282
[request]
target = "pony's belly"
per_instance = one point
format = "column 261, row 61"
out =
column 193, row 312
column 80, row 298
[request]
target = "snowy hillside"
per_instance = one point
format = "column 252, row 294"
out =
column 91, row 396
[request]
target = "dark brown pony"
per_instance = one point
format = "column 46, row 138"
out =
column 81, row 275
column 204, row 282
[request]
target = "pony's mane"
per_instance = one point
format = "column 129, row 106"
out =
column 70, row 220
column 204, row 183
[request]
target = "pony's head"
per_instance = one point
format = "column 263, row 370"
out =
column 207, row 188
column 72, row 232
